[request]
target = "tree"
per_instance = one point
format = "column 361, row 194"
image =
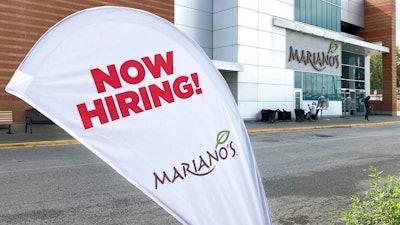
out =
column 376, row 72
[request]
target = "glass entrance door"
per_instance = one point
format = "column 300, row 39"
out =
column 360, row 108
column 348, row 102
column 356, row 106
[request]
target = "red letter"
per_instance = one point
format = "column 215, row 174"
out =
column 125, row 73
column 145, row 98
column 182, row 89
column 157, row 93
column 112, row 108
column 124, row 105
column 155, row 69
column 99, row 78
column 87, row 115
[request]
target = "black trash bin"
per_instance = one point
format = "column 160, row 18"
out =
column 264, row 115
column 271, row 114
column 299, row 115
column 288, row 115
column 281, row 115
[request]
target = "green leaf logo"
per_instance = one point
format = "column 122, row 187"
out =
column 333, row 47
column 222, row 137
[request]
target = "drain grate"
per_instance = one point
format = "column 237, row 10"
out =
column 270, row 140
column 323, row 135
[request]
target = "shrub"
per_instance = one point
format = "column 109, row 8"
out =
column 380, row 205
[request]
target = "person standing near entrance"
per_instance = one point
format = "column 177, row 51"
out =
column 313, row 111
column 367, row 107
column 347, row 106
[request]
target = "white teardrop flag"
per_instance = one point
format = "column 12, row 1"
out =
column 145, row 98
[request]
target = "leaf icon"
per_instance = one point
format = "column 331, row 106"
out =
column 333, row 47
column 222, row 137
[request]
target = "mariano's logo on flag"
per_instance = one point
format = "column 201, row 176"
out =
column 202, row 165
column 147, row 100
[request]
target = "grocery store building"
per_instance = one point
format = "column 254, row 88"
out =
column 273, row 54
column 286, row 54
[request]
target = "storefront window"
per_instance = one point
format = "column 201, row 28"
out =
column 353, row 59
column 298, row 80
column 353, row 71
column 315, row 85
column 321, row 13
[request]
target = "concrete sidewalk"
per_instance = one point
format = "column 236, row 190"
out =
column 51, row 134
column 324, row 123
column 42, row 134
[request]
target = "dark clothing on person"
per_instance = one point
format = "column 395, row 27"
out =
column 367, row 107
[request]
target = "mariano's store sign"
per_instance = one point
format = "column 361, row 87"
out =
column 313, row 54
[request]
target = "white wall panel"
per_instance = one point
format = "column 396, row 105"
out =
column 266, row 7
column 193, row 18
column 249, row 74
column 247, row 18
column 224, row 53
column 247, row 55
column 272, row 41
column 277, row 8
column 264, row 40
column 247, row 91
column 289, row 76
column 247, row 36
column 265, row 22
column 249, row 110
column 253, row 5
column 223, row 19
column 209, row 52
column 203, row 5
column 344, row 15
column 271, row 58
column 202, row 37
column 270, row 75
column 352, row 11
column 275, row 93
column 223, row 37
column 356, row 19
column 284, row 10
column 221, row 5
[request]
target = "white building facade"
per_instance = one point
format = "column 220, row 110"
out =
column 284, row 54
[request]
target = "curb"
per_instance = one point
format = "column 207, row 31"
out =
column 38, row 143
column 288, row 129
column 250, row 131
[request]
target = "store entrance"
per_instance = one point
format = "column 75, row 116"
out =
column 355, row 105
column 360, row 108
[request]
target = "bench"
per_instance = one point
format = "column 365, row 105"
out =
column 32, row 116
column 6, row 118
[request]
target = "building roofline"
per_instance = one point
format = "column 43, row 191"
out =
column 369, row 48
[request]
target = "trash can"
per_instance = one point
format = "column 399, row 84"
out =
column 271, row 114
column 264, row 115
column 288, row 115
column 281, row 115
column 299, row 115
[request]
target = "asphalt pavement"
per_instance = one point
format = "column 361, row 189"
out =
column 51, row 134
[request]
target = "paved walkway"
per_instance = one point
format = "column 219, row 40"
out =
column 324, row 123
column 53, row 135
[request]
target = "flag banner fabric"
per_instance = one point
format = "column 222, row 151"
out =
column 146, row 99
